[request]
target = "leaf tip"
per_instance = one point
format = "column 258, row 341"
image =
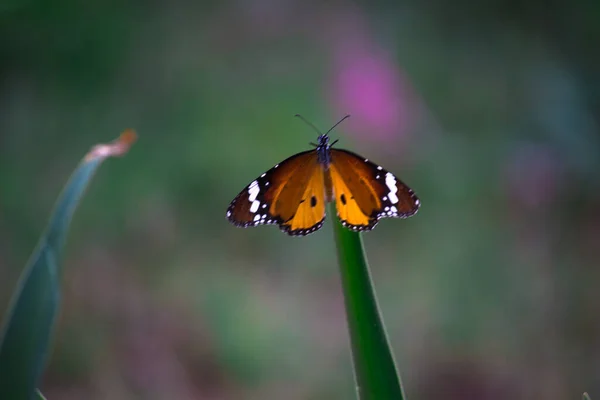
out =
column 117, row 147
column 128, row 137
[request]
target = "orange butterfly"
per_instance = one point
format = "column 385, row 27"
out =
column 293, row 193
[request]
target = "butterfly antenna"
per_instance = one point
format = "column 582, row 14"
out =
column 337, row 123
column 308, row 123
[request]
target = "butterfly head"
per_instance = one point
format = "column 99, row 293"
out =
column 323, row 150
column 323, row 139
column 323, row 146
column 323, row 142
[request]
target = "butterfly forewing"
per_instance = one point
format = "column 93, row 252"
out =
column 291, row 195
column 365, row 192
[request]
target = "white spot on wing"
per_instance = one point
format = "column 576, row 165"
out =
column 390, row 181
column 253, row 191
column 256, row 218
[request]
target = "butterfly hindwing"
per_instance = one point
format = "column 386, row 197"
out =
column 365, row 192
column 291, row 195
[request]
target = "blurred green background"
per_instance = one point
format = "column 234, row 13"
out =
column 490, row 111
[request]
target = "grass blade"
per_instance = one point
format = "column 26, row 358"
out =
column 29, row 322
column 375, row 371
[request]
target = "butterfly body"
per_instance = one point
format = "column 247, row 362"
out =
column 293, row 193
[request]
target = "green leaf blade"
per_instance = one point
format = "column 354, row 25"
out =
column 375, row 370
column 28, row 325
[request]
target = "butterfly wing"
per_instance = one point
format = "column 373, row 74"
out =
column 302, row 207
column 365, row 192
column 291, row 195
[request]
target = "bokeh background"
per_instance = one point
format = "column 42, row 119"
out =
column 489, row 110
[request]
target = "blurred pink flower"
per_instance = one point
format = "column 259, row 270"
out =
column 369, row 89
column 367, row 83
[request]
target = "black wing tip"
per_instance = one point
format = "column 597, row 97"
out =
column 265, row 219
column 249, row 224
column 391, row 211
column 415, row 209
column 229, row 214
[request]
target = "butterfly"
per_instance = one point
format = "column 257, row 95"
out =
column 294, row 192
